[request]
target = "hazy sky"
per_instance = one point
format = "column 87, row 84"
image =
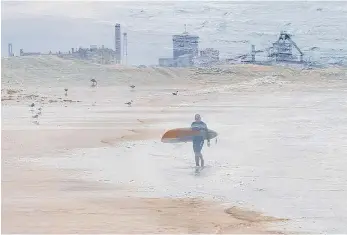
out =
column 229, row 27
column 50, row 25
column 44, row 26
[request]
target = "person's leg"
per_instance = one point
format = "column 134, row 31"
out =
column 202, row 159
column 196, row 153
column 197, row 159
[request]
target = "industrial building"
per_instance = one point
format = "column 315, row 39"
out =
column 184, row 48
column 94, row 53
column 185, row 43
column 118, row 44
column 125, row 48
column 10, row 53
column 282, row 49
column 185, row 60
column 207, row 57
column 166, row 62
column 22, row 53
column 185, row 51
column 210, row 54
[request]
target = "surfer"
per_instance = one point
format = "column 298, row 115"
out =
column 198, row 141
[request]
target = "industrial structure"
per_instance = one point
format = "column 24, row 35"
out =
column 22, row 53
column 10, row 53
column 166, row 62
column 210, row 53
column 185, row 51
column 245, row 58
column 125, row 48
column 282, row 49
column 208, row 56
column 184, row 48
column 118, row 44
column 101, row 55
column 185, row 43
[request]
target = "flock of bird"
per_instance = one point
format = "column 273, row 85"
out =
column 38, row 113
column 129, row 103
column 94, row 83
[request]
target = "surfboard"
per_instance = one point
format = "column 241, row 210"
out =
column 180, row 135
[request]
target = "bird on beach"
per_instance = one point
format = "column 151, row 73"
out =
column 36, row 116
column 32, row 107
column 66, row 91
column 94, row 82
column 129, row 103
column 175, row 93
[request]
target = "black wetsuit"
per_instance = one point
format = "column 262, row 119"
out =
column 198, row 141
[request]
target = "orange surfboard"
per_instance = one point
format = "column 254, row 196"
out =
column 179, row 135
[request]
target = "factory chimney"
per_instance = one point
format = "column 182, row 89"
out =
column 118, row 51
column 125, row 47
column 10, row 53
column 253, row 53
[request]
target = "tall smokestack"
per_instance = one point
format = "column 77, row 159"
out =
column 253, row 53
column 10, row 53
column 117, row 35
column 125, row 47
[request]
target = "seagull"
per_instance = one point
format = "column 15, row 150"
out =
column 175, row 93
column 32, row 105
column 129, row 103
column 66, row 91
column 36, row 116
column 94, row 82
column 132, row 86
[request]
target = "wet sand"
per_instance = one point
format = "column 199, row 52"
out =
column 40, row 199
column 97, row 166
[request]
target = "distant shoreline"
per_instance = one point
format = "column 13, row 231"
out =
column 289, row 64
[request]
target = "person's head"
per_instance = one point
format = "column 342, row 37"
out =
column 197, row 117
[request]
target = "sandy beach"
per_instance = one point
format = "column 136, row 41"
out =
column 90, row 164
